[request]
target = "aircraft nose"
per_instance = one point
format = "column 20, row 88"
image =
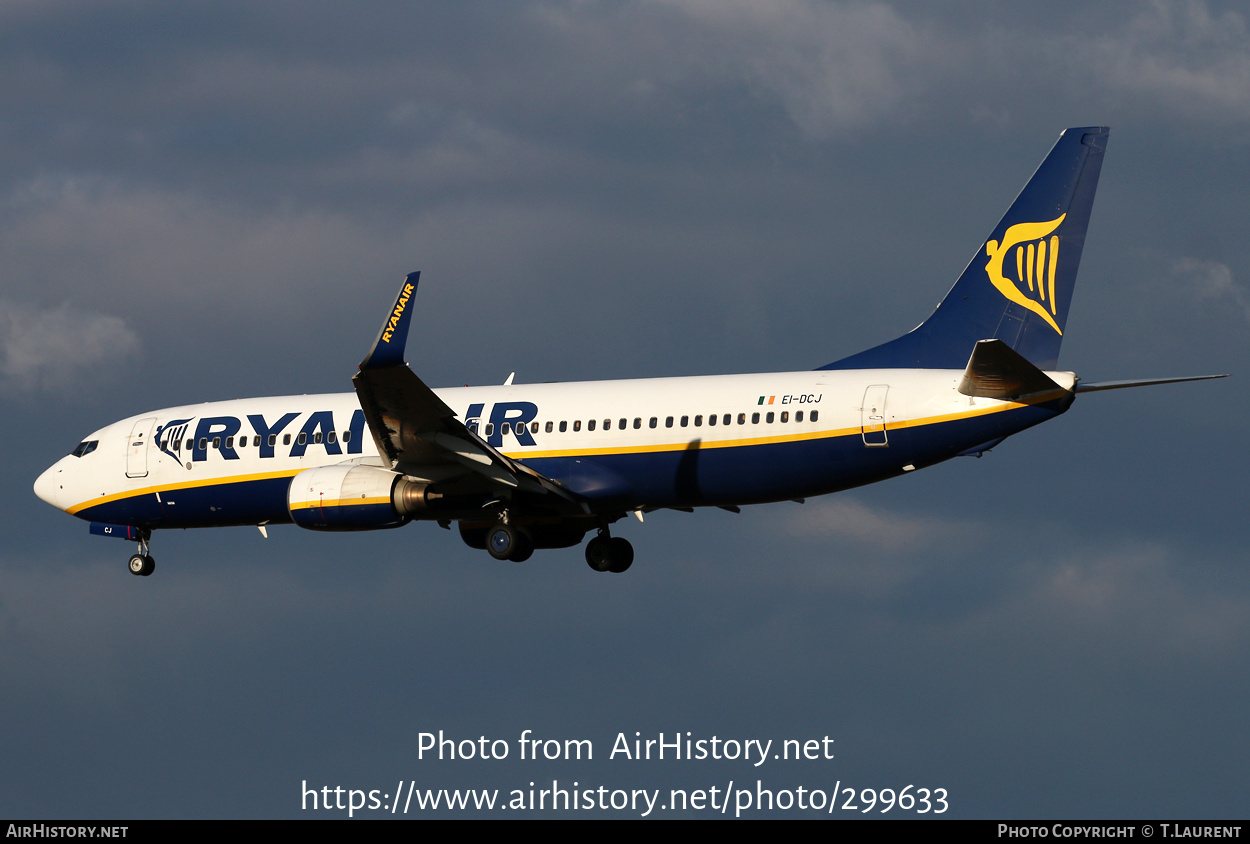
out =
column 48, row 486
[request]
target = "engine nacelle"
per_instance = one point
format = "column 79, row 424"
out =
column 355, row 497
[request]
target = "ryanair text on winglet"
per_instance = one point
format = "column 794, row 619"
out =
column 397, row 313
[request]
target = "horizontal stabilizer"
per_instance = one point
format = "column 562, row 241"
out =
column 996, row 371
column 1141, row 382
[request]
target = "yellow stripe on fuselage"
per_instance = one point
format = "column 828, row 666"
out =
column 175, row 487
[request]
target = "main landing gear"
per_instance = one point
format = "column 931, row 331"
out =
column 142, row 563
column 504, row 542
column 609, row 553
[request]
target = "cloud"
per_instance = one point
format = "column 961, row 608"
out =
column 1159, row 600
column 158, row 252
column 833, row 67
column 1146, row 595
column 849, row 520
column 59, row 350
column 1212, row 280
column 870, row 551
column 1179, row 55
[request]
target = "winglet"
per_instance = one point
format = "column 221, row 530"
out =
column 388, row 349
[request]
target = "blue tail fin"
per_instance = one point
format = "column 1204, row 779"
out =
column 1019, row 286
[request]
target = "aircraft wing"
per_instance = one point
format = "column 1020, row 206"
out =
column 416, row 430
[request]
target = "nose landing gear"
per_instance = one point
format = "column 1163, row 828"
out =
column 142, row 564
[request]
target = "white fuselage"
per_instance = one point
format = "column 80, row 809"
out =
column 739, row 438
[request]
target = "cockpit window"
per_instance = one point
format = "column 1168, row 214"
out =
column 85, row 448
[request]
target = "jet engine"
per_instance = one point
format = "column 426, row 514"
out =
column 354, row 497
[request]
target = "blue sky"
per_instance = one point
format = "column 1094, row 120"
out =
column 218, row 200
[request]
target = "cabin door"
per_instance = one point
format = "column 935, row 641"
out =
column 872, row 416
column 137, row 448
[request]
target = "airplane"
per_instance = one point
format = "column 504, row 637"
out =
column 521, row 467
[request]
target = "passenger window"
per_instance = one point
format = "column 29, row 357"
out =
column 698, row 421
column 534, row 427
column 302, row 439
column 242, row 442
column 769, row 417
column 177, row 445
column 815, row 415
column 637, row 421
column 490, row 428
column 577, row 425
column 331, row 437
column 684, row 421
column 203, row 443
column 622, row 425
column 798, row 416
column 506, row 428
column 711, row 419
column 217, row 442
column 742, row 419
column 317, row 438
column 549, row 427
column 668, row 422
column 755, row 419
column 273, row 440
column 286, row 439
column 728, row 418
column 590, row 424
column 653, row 422
column 785, row 416
column 564, row 426
column 347, row 436
column 472, row 426
column 229, row 442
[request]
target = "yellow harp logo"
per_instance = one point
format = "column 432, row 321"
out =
column 1035, row 258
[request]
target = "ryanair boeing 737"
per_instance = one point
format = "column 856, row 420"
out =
column 521, row 467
